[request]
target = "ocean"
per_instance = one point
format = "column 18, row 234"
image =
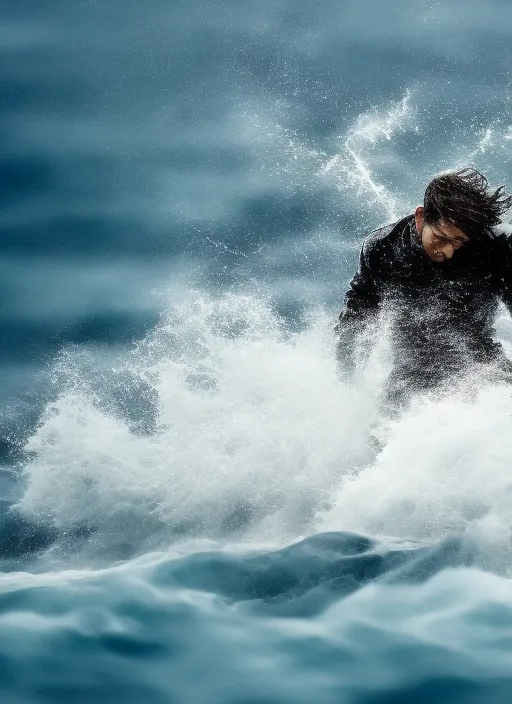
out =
column 195, row 508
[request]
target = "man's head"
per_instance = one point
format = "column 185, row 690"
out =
column 458, row 207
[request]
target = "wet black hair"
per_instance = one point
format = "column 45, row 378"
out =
column 463, row 199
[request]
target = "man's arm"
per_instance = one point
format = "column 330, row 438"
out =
column 503, row 269
column 361, row 305
column 504, row 239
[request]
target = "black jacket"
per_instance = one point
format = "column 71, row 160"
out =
column 442, row 314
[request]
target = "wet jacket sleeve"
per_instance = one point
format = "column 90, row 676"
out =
column 505, row 267
column 361, row 305
column 506, row 273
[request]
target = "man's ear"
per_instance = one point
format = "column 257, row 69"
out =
column 419, row 218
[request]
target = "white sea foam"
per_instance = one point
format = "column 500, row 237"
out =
column 250, row 419
column 253, row 422
column 445, row 463
column 444, row 468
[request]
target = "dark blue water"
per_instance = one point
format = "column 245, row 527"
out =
column 194, row 508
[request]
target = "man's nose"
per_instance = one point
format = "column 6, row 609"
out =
column 448, row 251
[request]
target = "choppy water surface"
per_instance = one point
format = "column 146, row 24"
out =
column 194, row 507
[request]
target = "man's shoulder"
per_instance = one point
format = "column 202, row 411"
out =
column 382, row 238
column 499, row 245
column 500, row 240
column 503, row 230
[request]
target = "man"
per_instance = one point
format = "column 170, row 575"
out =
column 438, row 276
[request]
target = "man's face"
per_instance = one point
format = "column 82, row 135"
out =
column 440, row 239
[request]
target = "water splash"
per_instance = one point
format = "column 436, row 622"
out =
column 443, row 469
column 252, row 430
column 354, row 167
column 254, row 437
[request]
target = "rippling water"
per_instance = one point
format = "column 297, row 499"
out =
column 194, row 508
